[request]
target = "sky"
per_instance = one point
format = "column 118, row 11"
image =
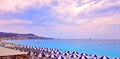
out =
column 67, row 19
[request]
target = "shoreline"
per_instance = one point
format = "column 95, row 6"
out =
column 36, row 52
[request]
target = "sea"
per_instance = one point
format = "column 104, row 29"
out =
column 110, row 48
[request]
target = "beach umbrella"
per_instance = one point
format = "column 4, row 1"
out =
column 32, row 53
column 36, row 54
column 58, row 53
column 82, row 57
column 73, row 56
column 83, row 54
column 45, row 49
column 75, row 52
column 65, row 54
column 41, row 55
column 104, row 57
column 28, row 53
column 57, row 50
column 93, row 55
column 49, row 50
column 60, row 57
column 52, row 56
column 52, row 52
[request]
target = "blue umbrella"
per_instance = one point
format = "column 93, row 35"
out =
column 36, row 54
column 53, row 52
column 104, row 57
column 93, row 55
column 73, row 56
column 84, row 54
column 28, row 53
column 66, row 54
column 49, row 50
column 58, row 53
column 75, row 52
column 60, row 57
column 52, row 56
column 41, row 55
column 83, row 57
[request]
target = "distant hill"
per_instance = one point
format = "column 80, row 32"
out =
column 17, row 36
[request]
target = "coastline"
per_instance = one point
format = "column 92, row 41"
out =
column 37, row 52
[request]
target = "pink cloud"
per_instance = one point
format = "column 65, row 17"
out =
column 100, row 24
column 21, row 5
column 14, row 21
column 72, row 6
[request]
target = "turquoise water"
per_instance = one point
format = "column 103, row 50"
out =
column 109, row 48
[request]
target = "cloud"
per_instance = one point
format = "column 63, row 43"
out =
column 21, row 5
column 75, row 7
column 14, row 22
column 65, row 16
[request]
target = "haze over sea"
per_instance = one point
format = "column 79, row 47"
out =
column 109, row 48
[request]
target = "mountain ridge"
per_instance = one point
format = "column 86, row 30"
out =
column 18, row 36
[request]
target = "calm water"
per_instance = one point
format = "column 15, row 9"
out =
column 109, row 48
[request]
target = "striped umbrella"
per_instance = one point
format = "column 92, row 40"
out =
column 83, row 57
column 66, row 54
column 52, row 56
column 49, row 50
column 58, row 53
column 75, row 52
column 104, row 57
column 53, row 52
column 93, row 55
column 32, row 53
column 84, row 54
column 28, row 53
column 36, row 54
column 73, row 56
column 41, row 55
column 60, row 57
